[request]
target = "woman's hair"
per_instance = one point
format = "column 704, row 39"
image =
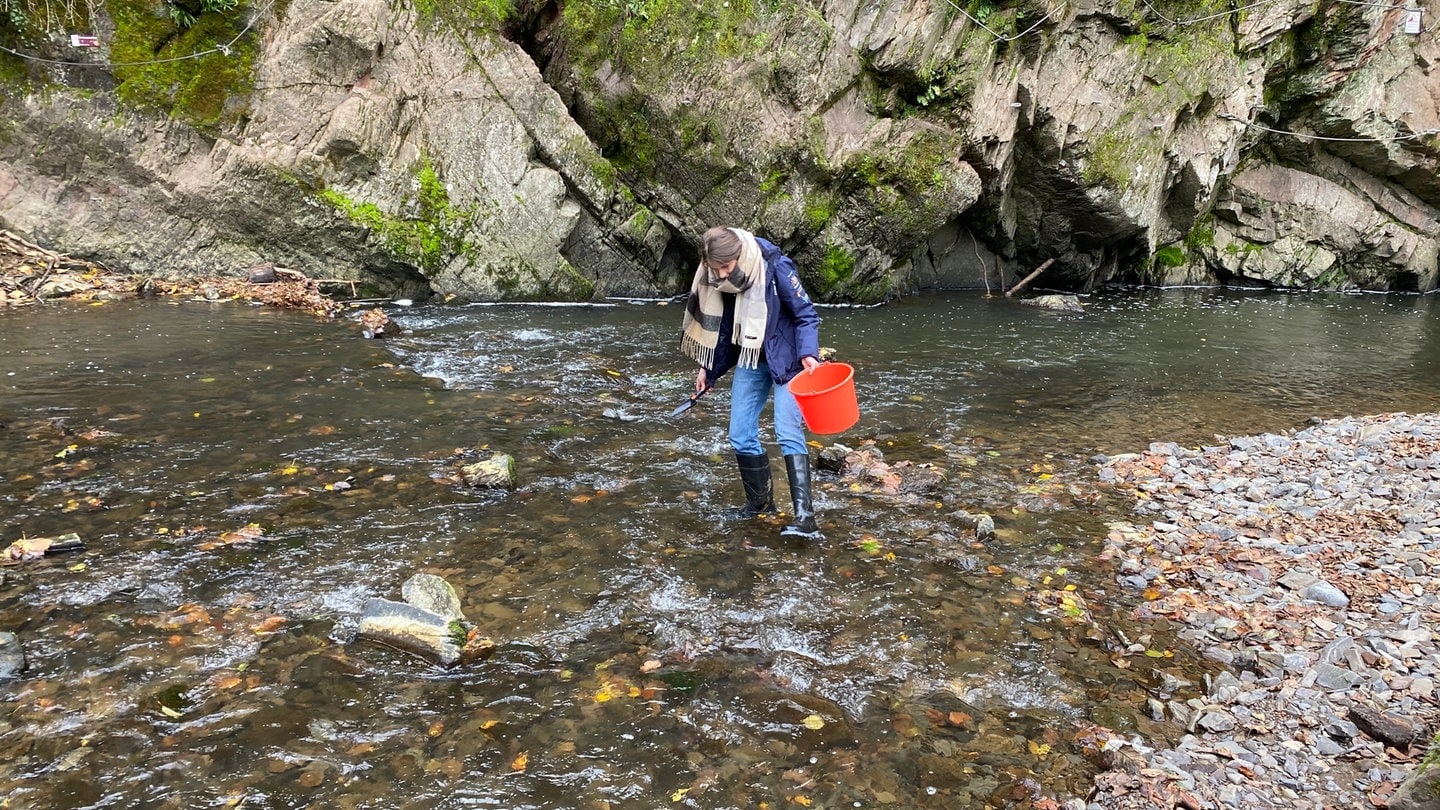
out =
column 719, row 246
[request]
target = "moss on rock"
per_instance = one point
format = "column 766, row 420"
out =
column 201, row 74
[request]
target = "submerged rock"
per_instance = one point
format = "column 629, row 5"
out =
column 1059, row 303
column 414, row 630
column 374, row 323
column 12, row 656
column 429, row 623
column 983, row 524
column 496, row 472
column 434, row 594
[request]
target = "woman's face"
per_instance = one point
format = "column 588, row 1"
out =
column 722, row 271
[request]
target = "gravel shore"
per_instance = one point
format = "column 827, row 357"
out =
column 1306, row 565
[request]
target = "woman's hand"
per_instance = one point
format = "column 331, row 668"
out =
column 809, row 363
column 700, row 380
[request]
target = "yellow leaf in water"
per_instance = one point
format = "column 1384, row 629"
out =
column 67, row 451
column 803, row 801
column 1039, row 749
column 814, row 722
column 489, row 724
column 1152, row 593
column 77, row 567
column 290, row 470
column 1155, row 653
column 521, row 762
column 169, row 712
column 679, row 794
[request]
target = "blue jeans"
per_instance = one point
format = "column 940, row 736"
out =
column 748, row 393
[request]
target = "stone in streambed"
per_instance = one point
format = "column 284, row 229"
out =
column 496, row 472
column 429, row 623
column 12, row 656
column 412, row 629
column 1326, row 594
column 1419, row 791
column 1058, row 303
column 432, row 593
column 1395, row 731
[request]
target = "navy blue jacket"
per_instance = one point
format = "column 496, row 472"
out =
column 792, row 328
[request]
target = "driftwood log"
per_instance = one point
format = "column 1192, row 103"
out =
column 1029, row 278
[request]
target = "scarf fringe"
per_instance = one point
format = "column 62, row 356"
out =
column 749, row 358
column 697, row 351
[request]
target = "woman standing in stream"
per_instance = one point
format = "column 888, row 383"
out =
column 748, row 311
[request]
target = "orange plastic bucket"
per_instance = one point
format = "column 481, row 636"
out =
column 827, row 397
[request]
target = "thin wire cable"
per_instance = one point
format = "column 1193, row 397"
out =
column 1207, row 18
column 1258, row 3
column 222, row 49
column 996, row 34
column 1397, row 139
column 1387, row 6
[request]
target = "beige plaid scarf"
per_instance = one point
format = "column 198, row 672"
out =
column 705, row 307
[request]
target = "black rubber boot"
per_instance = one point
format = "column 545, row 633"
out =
column 797, row 467
column 759, row 489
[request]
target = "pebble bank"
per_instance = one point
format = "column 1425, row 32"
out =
column 1305, row 565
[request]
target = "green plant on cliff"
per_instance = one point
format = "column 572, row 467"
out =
column 466, row 13
column 628, row 132
column 837, row 267
column 820, row 208
column 1169, row 256
column 199, row 73
column 427, row 237
column 185, row 12
column 648, row 39
column 907, row 186
column 1202, row 234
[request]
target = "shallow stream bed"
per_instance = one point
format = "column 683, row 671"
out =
column 651, row 654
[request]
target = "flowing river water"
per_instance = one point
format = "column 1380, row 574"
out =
column 245, row 479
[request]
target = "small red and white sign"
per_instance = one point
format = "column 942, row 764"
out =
column 1412, row 21
column 84, row 41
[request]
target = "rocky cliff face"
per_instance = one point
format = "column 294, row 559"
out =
column 575, row 151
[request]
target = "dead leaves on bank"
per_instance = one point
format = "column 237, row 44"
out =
column 30, row 274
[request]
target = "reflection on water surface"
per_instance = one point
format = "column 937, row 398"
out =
column 651, row 654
